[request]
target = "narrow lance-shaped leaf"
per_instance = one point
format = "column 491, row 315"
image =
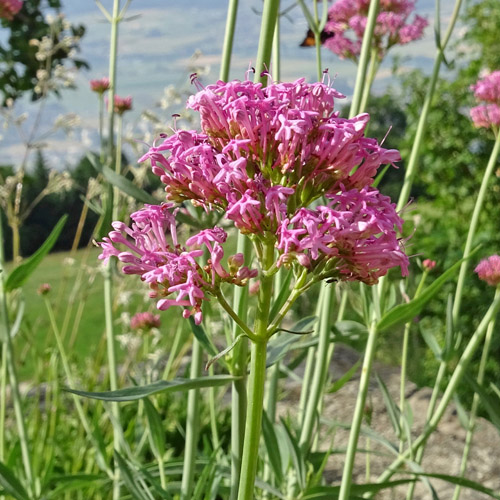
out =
column 11, row 484
column 406, row 312
column 155, row 428
column 24, row 270
column 175, row 385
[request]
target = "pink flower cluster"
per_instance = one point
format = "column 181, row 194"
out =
column 122, row 104
column 489, row 270
column 264, row 155
column 347, row 22
column 145, row 321
column 174, row 274
column 100, row 86
column 9, row 8
column 487, row 89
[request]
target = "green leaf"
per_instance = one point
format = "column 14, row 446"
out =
column 332, row 492
column 297, row 458
column 461, row 481
column 406, row 312
column 431, row 341
column 11, row 484
column 175, row 385
column 490, row 405
column 282, row 296
column 272, row 447
column 302, row 327
column 392, row 408
column 129, row 478
column 348, row 330
column 278, row 346
column 229, row 348
column 74, row 482
column 338, row 384
column 202, row 337
column 128, row 187
column 155, row 428
column 24, row 270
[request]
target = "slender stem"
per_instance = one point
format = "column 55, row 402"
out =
column 239, row 368
column 118, row 167
column 276, row 55
column 317, row 41
column 473, row 227
column 452, row 386
column 320, row 371
column 372, row 71
column 364, row 58
column 3, row 400
column 5, row 336
column 268, row 25
column 108, row 285
column 256, row 382
column 228, row 39
column 475, row 402
column 213, row 413
column 422, row 122
column 404, row 365
column 192, row 424
column 71, row 383
column 359, row 410
column 239, row 322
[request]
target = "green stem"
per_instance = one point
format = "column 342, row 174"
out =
column 9, row 362
column 239, row 368
column 359, row 410
column 268, row 24
column 364, row 58
column 475, row 401
column 228, row 39
column 372, row 71
column 71, row 383
column 118, row 167
column 404, row 365
column 452, row 386
column 192, row 424
column 317, row 42
column 276, row 64
column 3, row 400
column 108, row 285
column 320, row 371
column 422, row 122
column 473, row 227
column 256, row 381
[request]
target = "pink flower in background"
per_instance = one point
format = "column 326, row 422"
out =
column 489, row 270
column 485, row 115
column 488, row 88
column 122, row 104
column 100, row 86
column 347, row 19
column 9, row 8
column 145, row 321
column 429, row 264
column 44, row 289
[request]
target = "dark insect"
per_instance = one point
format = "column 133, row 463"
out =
column 309, row 39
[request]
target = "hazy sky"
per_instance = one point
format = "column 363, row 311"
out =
column 155, row 47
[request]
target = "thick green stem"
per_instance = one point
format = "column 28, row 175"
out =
column 320, row 371
column 115, row 21
column 364, row 58
column 228, row 39
column 256, row 381
column 452, row 386
column 192, row 424
column 473, row 227
column 269, row 16
column 422, row 122
column 359, row 411
column 3, row 400
column 240, row 367
column 475, row 402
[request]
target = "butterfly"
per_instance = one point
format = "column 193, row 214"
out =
column 309, row 40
